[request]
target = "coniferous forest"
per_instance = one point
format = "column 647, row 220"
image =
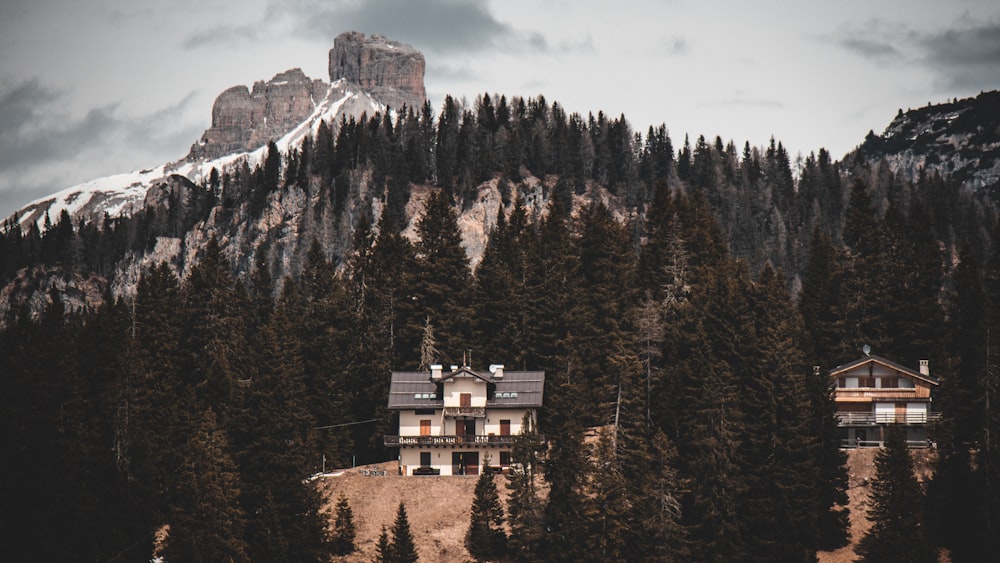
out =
column 677, row 299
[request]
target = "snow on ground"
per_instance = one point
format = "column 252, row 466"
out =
column 122, row 193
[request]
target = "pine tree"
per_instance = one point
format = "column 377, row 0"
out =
column 207, row 523
column 895, row 508
column 524, row 510
column 485, row 538
column 343, row 528
column 442, row 283
column 780, row 500
column 383, row 549
column 402, row 548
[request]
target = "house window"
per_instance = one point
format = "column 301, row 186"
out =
column 505, row 428
column 504, row 459
column 890, row 382
column 425, row 459
column 425, row 427
column 465, row 400
column 866, row 382
column 841, row 382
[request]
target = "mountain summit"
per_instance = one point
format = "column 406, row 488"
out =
column 389, row 73
column 368, row 74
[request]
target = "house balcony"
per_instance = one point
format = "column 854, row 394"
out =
column 474, row 412
column 872, row 419
column 447, row 441
column 883, row 393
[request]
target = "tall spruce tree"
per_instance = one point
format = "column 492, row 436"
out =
column 207, row 521
column 343, row 528
column 442, row 280
column 895, row 508
column 402, row 549
column 485, row 538
column 524, row 508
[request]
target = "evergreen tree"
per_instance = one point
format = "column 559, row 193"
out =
column 820, row 299
column 780, row 501
column 958, row 505
column 895, row 508
column 524, row 510
column 402, row 548
column 485, row 538
column 343, row 528
column 207, row 523
column 442, row 283
column 383, row 549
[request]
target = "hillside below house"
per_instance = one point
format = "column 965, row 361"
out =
column 860, row 473
column 438, row 508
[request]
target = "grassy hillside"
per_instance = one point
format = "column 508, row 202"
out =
column 438, row 507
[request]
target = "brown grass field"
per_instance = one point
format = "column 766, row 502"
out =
column 438, row 507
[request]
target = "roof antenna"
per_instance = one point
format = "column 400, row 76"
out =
column 867, row 350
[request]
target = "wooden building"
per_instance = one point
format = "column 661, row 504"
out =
column 872, row 393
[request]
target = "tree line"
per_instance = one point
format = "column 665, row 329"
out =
column 683, row 419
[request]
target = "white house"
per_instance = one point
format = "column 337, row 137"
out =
column 450, row 421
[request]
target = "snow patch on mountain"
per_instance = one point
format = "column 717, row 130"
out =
column 123, row 194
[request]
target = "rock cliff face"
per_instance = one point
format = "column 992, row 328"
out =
column 960, row 139
column 392, row 72
column 243, row 120
column 376, row 69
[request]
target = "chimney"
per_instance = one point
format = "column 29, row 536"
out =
column 925, row 368
column 436, row 372
column 497, row 371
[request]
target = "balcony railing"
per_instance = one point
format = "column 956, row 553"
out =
column 901, row 393
column 475, row 412
column 872, row 418
column 468, row 440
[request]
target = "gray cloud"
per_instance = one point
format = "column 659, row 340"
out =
column 965, row 57
column 433, row 25
column 44, row 149
column 869, row 48
column 28, row 133
column 222, row 35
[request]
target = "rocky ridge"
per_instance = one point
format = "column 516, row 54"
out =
column 388, row 73
column 959, row 139
column 378, row 74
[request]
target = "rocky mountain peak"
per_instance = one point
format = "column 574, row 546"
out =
column 392, row 72
column 244, row 119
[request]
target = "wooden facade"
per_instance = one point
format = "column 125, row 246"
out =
column 872, row 393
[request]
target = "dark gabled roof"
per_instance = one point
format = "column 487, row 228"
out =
column 405, row 385
column 887, row 363
column 527, row 385
column 407, row 389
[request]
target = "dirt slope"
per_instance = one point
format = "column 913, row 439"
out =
column 438, row 509
column 860, row 472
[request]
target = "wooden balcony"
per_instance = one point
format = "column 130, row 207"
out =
column 474, row 412
column 887, row 393
column 872, row 419
column 446, row 441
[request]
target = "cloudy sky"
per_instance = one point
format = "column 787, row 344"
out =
column 93, row 88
